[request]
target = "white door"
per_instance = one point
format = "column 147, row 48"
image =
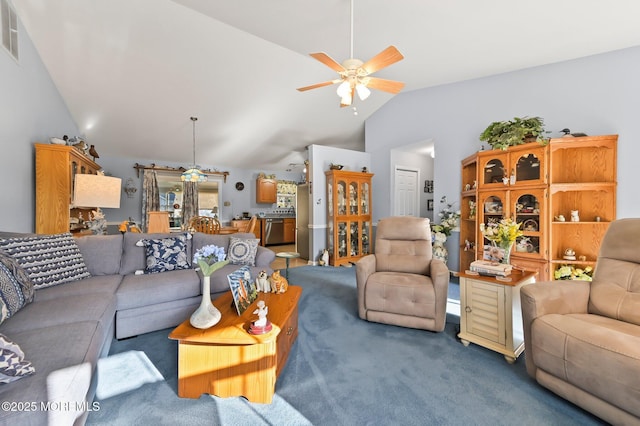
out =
column 407, row 197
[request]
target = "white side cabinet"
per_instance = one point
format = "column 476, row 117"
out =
column 490, row 312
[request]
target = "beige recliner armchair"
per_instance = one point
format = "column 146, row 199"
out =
column 401, row 284
column 582, row 339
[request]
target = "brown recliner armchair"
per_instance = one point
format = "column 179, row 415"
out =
column 582, row 339
column 401, row 284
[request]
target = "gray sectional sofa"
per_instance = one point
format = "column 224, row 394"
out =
column 68, row 327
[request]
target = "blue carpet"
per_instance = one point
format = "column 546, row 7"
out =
column 345, row 371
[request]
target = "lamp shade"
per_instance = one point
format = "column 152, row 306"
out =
column 96, row 191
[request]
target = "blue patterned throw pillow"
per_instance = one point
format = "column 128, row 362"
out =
column 242, row 251
column 165, row 254
column 48, row 259
column 16, row 288
column 12, row 363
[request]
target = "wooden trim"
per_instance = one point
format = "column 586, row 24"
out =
column 139, row 167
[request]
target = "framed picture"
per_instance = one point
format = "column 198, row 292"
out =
column 493, row 207
column 492, row 253
column 430, row 205
column 242, row 288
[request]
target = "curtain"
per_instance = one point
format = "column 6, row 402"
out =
column 150, row 195
column 190, row 206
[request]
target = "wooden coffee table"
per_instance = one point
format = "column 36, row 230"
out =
column 226, row 360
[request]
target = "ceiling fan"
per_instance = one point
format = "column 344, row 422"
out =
column 355, row 74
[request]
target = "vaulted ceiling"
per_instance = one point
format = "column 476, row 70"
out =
column 133, row 72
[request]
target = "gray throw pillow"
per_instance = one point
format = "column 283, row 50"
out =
column 48, row 259
column 12, row 363
column 242, row 251
column 16, row 288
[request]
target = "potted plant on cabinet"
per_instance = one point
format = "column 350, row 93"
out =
column 503, row 134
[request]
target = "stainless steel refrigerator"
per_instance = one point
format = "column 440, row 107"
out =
column 302, row 220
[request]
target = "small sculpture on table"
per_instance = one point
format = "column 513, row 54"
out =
column 262, row 282
column 261, row 325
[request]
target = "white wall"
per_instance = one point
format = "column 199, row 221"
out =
column 596, row 95
column 31, row 110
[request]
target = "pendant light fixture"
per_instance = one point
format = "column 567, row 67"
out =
column 193, row 174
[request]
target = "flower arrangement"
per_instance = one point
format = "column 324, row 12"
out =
column 570, row 272
column 448, row 218
column 503, row 233
column 210, row 258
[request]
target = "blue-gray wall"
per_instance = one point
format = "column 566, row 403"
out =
column 31, row 110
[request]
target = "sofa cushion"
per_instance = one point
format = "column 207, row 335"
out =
column 584, row 349
column 615, row 291
column 101, row 253
column 107, row 284
column 398, row 293
column 13, row 366
column 242, row 251
column 48, row 259
column 73, row 344
column 16, row 288
column 60, row 311
column 150, row 289
column 165, row 254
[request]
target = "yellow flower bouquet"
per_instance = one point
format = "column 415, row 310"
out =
column 502, row 234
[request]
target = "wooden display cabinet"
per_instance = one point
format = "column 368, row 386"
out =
column 56, row 167
column 468, row 212
column 266, row 190
column 534, row 184
column 583, row 178
column 348, row 216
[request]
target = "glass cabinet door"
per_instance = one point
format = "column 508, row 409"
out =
column 353, row 198
column 342, row 239
column 527, row 206
column 341, row 202
column 494, row 170
column 491, row 209
column 529, row 163
column 354, row 239
column 364, row 198
column 365, row 238
column 330, row 197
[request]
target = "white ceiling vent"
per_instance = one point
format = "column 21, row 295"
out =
column 9, row 25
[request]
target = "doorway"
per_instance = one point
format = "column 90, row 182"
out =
column 406, row 195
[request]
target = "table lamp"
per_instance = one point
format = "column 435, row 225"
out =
column 96, row 191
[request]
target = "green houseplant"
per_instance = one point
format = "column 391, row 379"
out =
column 503, row 134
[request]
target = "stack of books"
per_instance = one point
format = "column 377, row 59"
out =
column 494, row 269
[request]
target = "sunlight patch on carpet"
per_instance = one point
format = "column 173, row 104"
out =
column 237, row 411
column 125, row 372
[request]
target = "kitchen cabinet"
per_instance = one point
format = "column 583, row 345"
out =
column 266, row 190
column 56, row 167
column 348, row 216
column 290, row 231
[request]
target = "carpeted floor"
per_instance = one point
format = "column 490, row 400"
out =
column 345, row 371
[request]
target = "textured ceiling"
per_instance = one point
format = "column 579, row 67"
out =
column 133, row 72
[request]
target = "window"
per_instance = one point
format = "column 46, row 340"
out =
column 9, row 25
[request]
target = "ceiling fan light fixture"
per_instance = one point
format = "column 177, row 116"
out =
column 363, row 91
column 346, row 99
column 344, row 89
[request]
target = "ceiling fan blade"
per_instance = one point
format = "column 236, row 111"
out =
column 328, row 61
column 389, row 86
column 315, row 86
column 388, row 56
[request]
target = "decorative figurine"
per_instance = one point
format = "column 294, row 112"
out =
column 560, row 218
column 324, row 258
column 262, row 282
column 261, row 325
column 575, row 217
column 279, row 284
column 569, row 254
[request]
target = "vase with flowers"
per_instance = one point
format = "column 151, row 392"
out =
column 503, row 235
column 448, row 222
column 209, row 259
